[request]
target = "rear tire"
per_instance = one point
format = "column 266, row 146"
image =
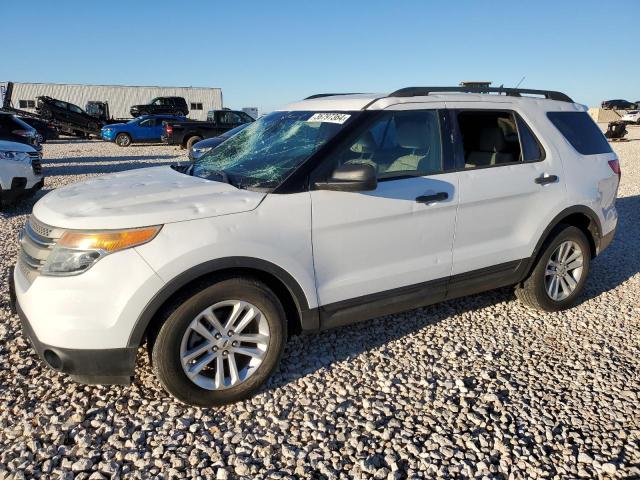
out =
column 192, row 140
column 553, row 274
column 123, row 140
column 177, row 350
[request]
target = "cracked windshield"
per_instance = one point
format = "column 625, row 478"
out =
column 265, row 153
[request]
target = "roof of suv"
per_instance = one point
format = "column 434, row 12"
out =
column 380, row 101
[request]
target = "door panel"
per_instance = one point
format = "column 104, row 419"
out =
column 376, row 241
column 382, row 246
column 502, row 208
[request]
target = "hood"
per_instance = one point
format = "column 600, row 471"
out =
column 142, row 197
column 7, row 146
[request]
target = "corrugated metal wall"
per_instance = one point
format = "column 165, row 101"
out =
column 120, row 97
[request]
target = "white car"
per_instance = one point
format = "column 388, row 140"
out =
column 335, row 209
column 20, row 171
column 632, row 116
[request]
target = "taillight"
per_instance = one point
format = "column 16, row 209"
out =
column 615, row 166
column 169, row 129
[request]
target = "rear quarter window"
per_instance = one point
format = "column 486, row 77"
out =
column 581, row 132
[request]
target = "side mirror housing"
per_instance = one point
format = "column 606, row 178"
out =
column 355, row 177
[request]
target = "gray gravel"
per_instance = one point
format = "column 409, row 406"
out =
column 479, row 387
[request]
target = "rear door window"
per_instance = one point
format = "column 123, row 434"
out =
column 581, row 132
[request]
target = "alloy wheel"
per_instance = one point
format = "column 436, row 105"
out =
column 224, row 344
column 564, row 270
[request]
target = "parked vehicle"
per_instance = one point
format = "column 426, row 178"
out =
column 616, row 130
column 162, row 105
column 417, row 196
column 147, row 128
column 631, row 117
column 72, row 119
column 20, row 171
column 100, row 110
column 15, row 130
column 186, row 134
column 204, row 146
column 44, row 130
column 618, row 105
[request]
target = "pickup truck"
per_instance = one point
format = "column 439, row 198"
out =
column 187, row 133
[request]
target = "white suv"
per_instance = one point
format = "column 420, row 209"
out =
column 336, row 209
column 20, row 171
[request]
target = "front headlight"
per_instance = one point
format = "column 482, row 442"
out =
column 20, row 157
column 76, row 251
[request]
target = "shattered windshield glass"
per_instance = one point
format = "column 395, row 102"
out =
column 267, row 151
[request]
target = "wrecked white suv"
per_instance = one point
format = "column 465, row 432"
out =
column 336, row 209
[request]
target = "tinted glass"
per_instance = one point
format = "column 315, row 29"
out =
column 531, row 150
column 398, row 144
column 75, row 109
column 581, row 132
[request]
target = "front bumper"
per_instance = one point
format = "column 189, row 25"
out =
column 18, row 190
column 114, row 366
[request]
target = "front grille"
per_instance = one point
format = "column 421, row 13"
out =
column 36, row 163
column 36, row 242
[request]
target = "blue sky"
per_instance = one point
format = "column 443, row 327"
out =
column 266, row 54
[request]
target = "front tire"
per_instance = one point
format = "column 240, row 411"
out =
column 560, row 273
column 123, row 140
column 220, row 345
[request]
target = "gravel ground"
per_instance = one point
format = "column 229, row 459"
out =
column 478, row 387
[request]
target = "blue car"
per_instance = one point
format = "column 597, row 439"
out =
column 146, row 128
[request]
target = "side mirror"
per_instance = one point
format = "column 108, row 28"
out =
column 355, row 177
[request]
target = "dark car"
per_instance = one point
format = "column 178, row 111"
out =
column 618, row 104
column 186, row 134
column 45, row 130
column 15, row 130
column 162, row 106
column 78, row 120
column 203, row 146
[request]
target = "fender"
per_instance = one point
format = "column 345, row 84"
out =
column 308, row 317
column 583, row 209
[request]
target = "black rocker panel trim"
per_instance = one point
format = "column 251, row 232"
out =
column 413, row 296
column 308, row 317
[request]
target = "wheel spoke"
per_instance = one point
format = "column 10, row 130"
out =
column 211, row 317
column 549, row 271
column 219, row 382
column 202, row 331
column 250, row 352
column 237, row 309
column 577, row 254
column 570, row 281
column 196, row 352
column 575, row 264
column 195, row 369
column 253, row 338
column 246, row 320
column 556, row 285
column 233, row 369
column 565, row 249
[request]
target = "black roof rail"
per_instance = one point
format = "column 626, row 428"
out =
column 320, row 95
column 512, row 92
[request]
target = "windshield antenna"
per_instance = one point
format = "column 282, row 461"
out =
column 521, row 80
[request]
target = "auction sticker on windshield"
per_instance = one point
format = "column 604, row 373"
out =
column 329, row 117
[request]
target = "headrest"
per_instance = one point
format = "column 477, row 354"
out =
column 365, row 144
column 491, row 140
column 412, row 133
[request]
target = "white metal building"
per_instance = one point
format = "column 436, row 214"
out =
column 120, row 97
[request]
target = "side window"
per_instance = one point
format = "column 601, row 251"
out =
column 60, row 104
column 398, row 144
column 489, row 138
column 531, row 149
column 230, row 118
column 149, row 122
column 75, row 109
column 581, row 132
